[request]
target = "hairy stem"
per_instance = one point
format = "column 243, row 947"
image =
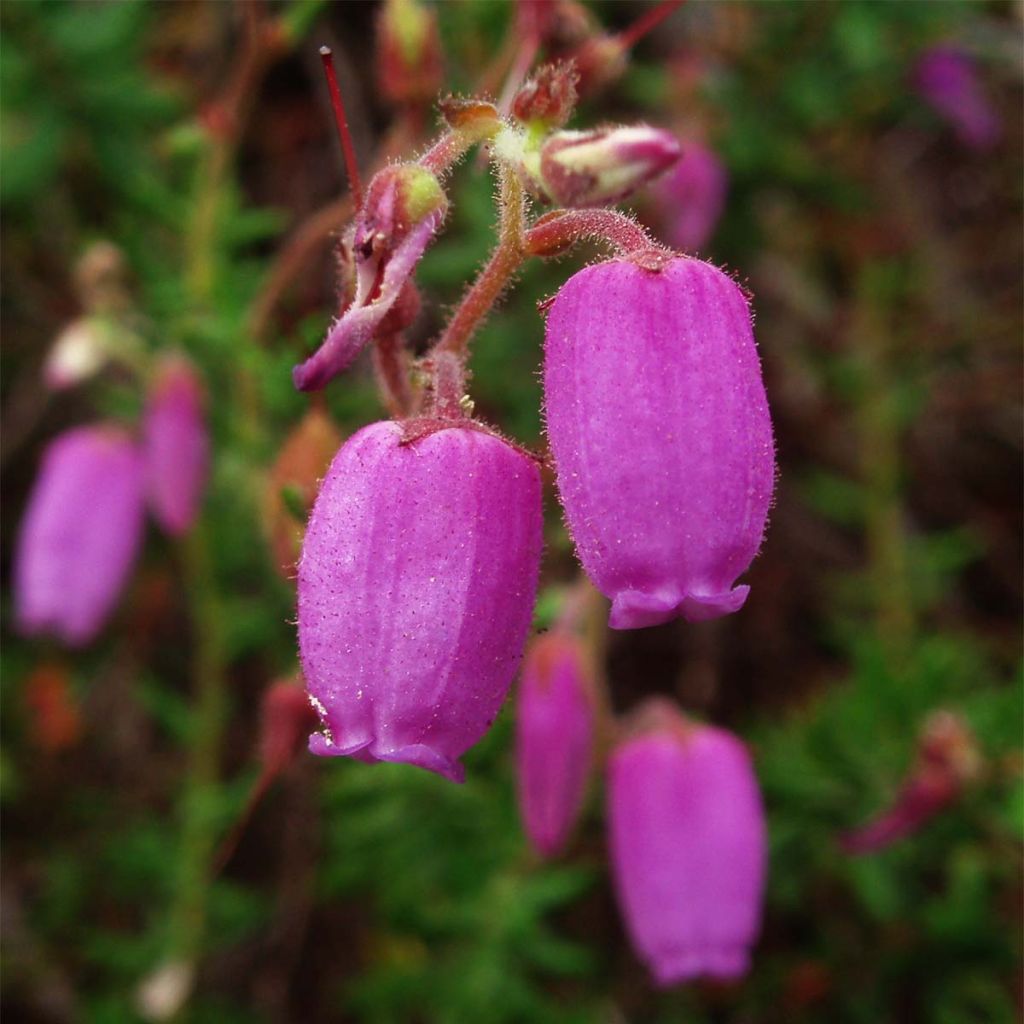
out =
column 492, row 280
column 390, row 367
column 558, row 231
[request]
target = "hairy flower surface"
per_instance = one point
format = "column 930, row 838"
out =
column 661, row 436
column 80, row 533
column 690, row 198
column 175, row 445
column 688, row 845
column 416, row 587
column 554, row 739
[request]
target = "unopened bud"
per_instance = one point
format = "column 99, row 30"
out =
column 409, row 55
column 398, row 198
column 603, row 166
column 548, row 97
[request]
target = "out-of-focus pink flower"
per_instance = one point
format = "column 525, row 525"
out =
column 416, row 587
column 661, row 436
column 690, row 198
column 80, row 533
column 948, row 79
column 554, row 738
column 688, row 845
column 947, row 759
column 176, row 445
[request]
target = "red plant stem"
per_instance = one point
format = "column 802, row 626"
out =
column 449, row 385
column 449, row 149
column 506, row 259
column 646, row 23
column 389, row 365
column 556, row 232
column 355, row 184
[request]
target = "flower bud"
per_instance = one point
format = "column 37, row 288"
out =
column 603, row 166
column 548, row 98
column 690, row 198
column 661, row 436
column 175, row 445
column 409, row 63
column 80, row 533
column 292, row 484
column 688, row 845
column 402, row 212
column 416, row 587
column 554, row 738
column 948, row 79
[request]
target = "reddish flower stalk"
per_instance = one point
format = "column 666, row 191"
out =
column 647, row 23
column 492, row 280
column 558, row 231
column 352, row 168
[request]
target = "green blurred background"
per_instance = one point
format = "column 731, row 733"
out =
column 885, row 261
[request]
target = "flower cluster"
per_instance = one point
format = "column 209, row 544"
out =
column 420, row 562
column 83, row 526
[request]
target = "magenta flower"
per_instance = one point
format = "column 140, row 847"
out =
column 661, row 436
column 175, row 445
column 691, row 197
column 416, row 588
column 688, row 845
column 554, row 739
column 403, row 211
column 80, row 533
column 948, row 79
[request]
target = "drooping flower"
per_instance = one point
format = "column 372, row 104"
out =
column 175, row 445
column 403, row 209
column 688, row 845
column 80, row 533
column 948, row 79
column 554, row 738
column 661, row 436
column 416, row 587
column 690, row 198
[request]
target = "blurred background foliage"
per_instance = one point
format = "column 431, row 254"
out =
column 885, row 261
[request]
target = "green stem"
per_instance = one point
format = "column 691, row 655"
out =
column 199, row 820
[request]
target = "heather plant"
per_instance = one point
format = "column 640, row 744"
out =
column 447, row 414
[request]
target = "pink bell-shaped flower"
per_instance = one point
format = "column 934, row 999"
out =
column 661, row 436
column 175, row 445
column 80, row 533
column 690, row 198
column 416, row 588
column 554, row 738
column 688, row 845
